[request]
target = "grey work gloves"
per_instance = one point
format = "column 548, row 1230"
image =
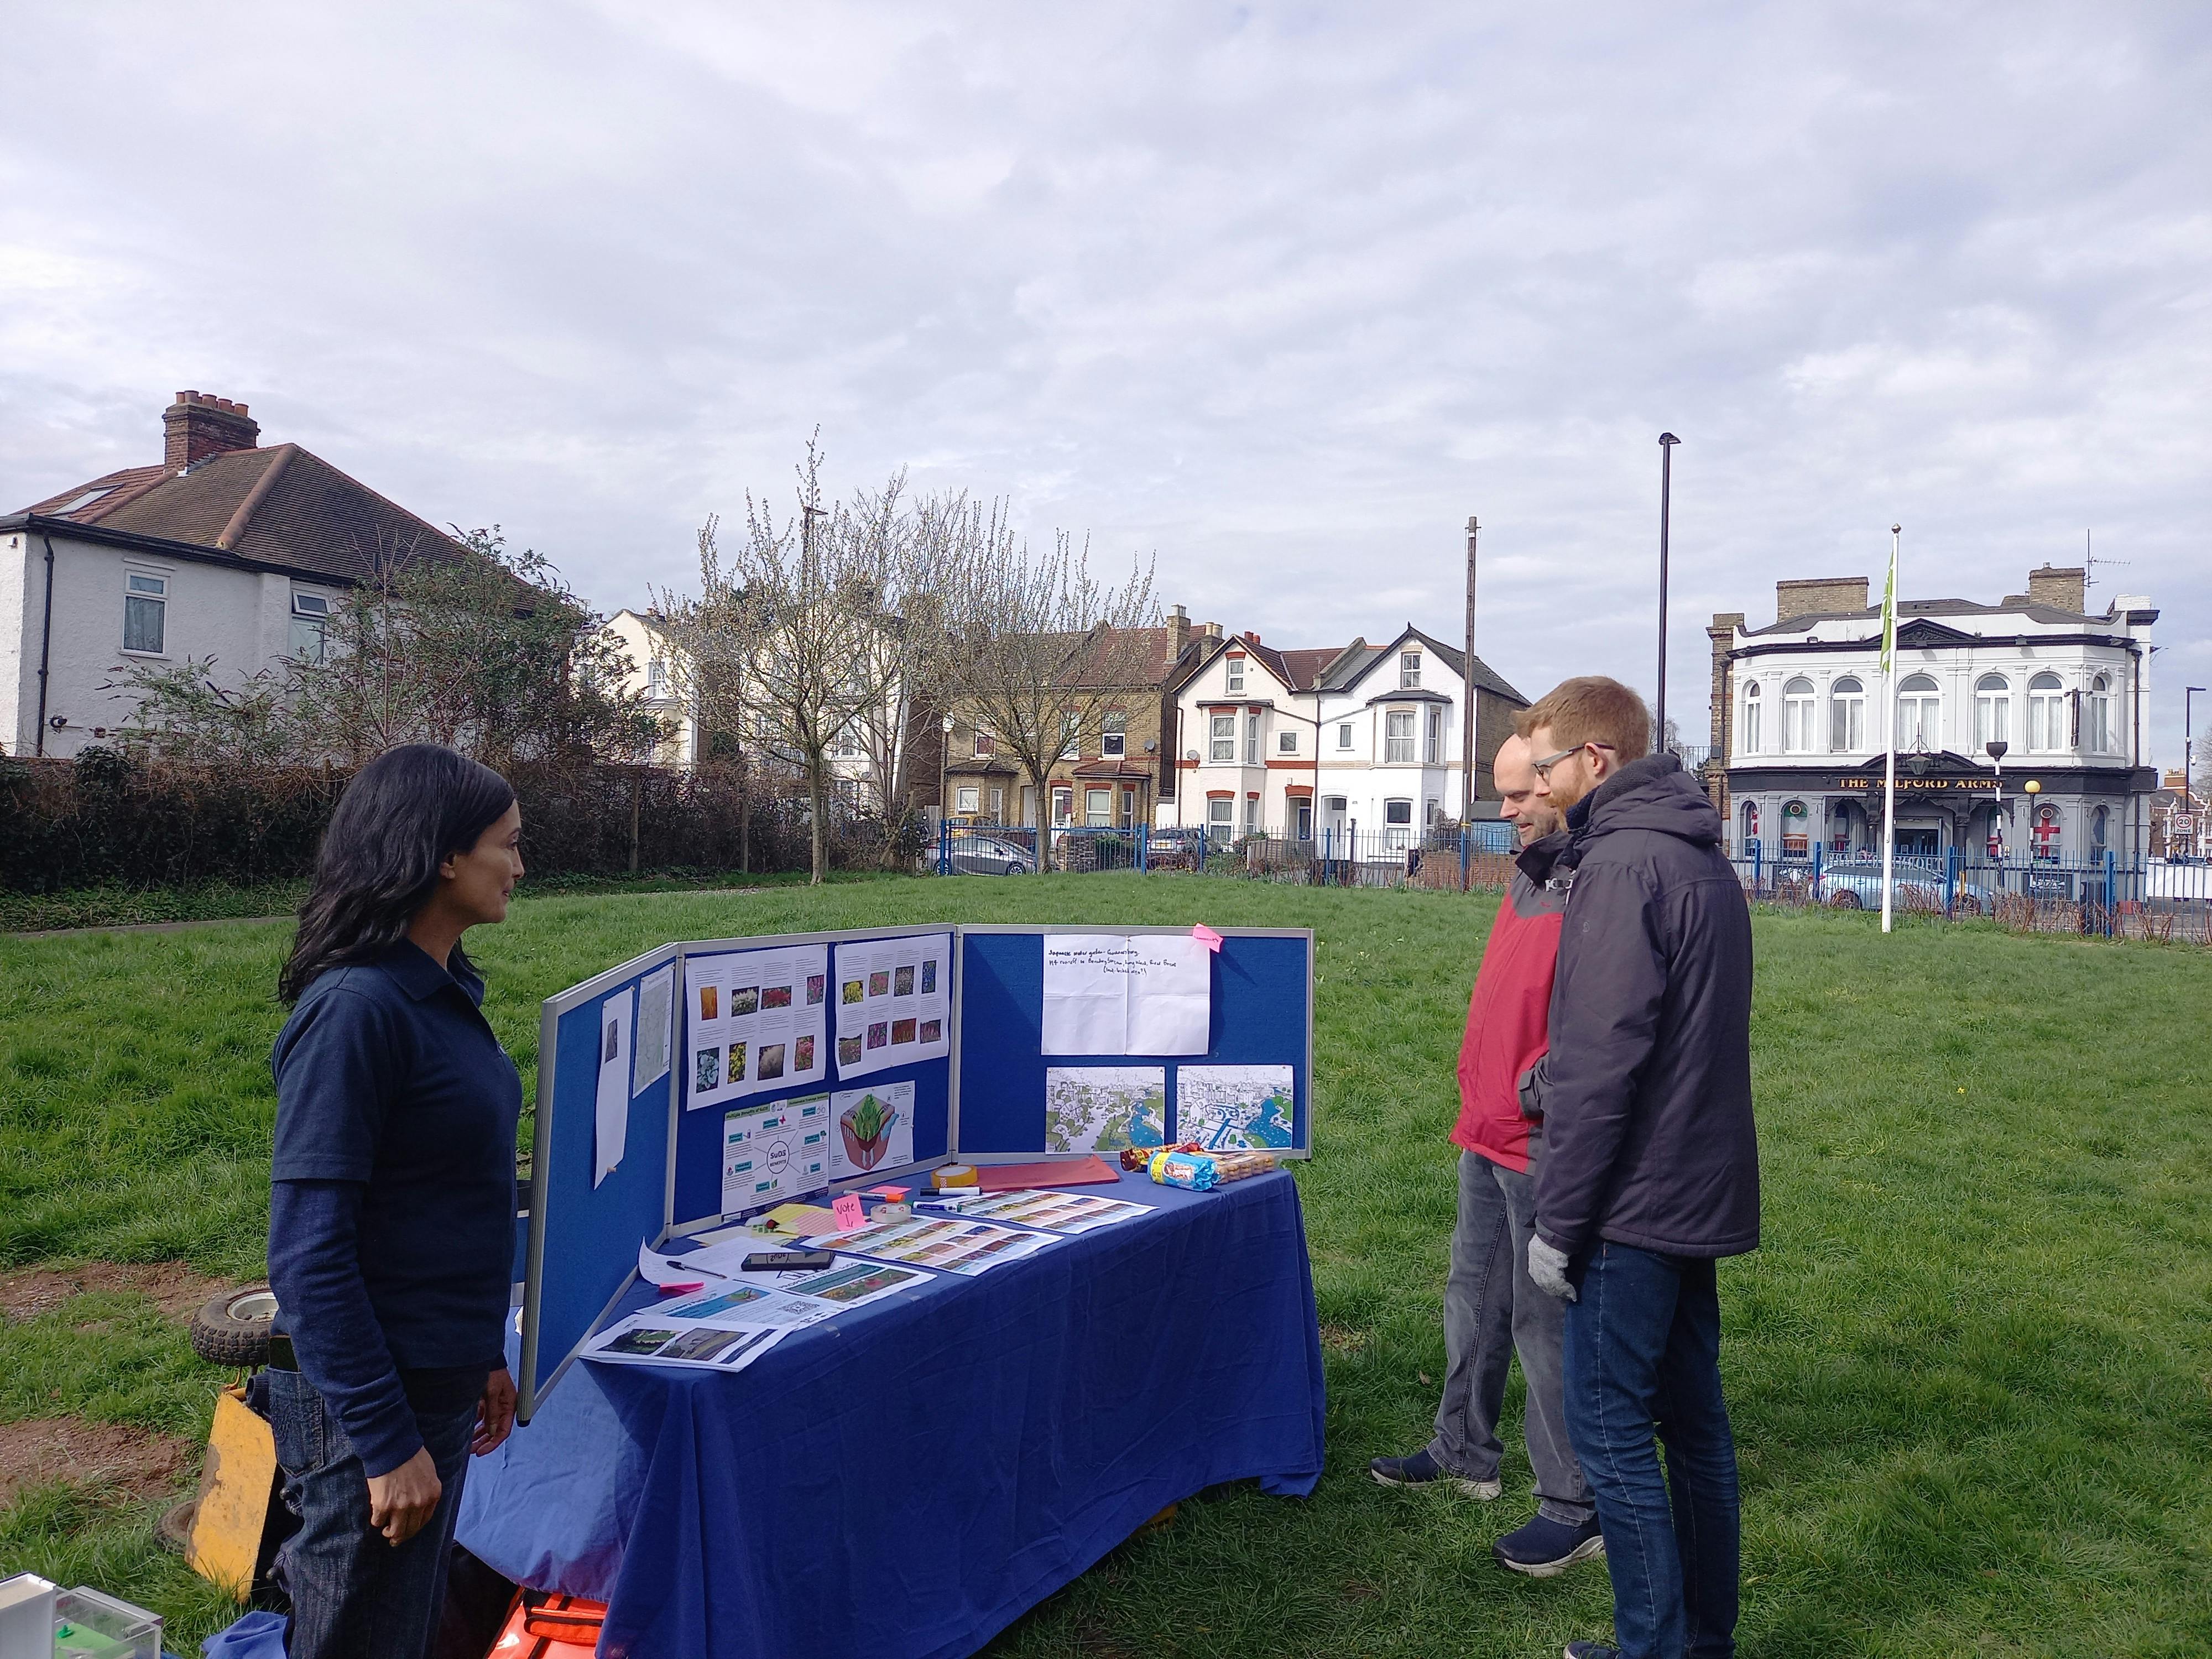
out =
column 1548, row 1268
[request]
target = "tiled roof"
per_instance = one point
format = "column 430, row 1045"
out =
column 1152, row 649
column 1349, row 672
column 281, row 506
column 1802, row 624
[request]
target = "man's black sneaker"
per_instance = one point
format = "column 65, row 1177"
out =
column 1592, row 1651
column 1545, row 1549
column 1423, row 1470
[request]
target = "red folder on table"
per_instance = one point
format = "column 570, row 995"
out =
column 1059, row 1172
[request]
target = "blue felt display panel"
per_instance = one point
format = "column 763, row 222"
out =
column 592, row 1233
column 1260, row 1016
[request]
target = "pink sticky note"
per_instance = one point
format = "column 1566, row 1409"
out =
column 682, row 1290
column 1205, row 936
column 848, row 1211
column 889, row 1194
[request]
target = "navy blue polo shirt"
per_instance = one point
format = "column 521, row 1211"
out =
column 394, row 1178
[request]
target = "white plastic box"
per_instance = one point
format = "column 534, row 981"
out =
column 26, row 1616
column 90, row 1625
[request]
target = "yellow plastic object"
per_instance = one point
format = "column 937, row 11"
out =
column 947, row 1176
column 236, row 1487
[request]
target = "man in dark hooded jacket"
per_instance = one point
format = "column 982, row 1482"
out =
column 1651, row 1168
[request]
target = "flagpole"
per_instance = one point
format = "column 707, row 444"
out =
column 1889, row 730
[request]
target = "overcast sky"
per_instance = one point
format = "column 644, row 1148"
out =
column 1280, row 294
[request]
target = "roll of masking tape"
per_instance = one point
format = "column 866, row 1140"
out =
column 952, row 1175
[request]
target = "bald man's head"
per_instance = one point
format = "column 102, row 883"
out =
column 1532, row 816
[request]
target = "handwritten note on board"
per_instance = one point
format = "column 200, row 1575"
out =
column 1119, row 993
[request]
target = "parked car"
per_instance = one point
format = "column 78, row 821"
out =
column 1176, row 849
column 1855, row 883
column 986, row 855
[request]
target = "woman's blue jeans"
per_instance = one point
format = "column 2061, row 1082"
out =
column 354, row 1595
column 1644, row 1349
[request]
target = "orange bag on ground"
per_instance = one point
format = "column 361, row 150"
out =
column 545, row 1625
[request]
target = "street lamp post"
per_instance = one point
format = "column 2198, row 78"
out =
column 1666, row 442
column 1997, row 748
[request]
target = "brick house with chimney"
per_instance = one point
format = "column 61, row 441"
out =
column 224, row 551
column 1797, row 724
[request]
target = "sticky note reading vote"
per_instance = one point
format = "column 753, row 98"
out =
column 1205, row 936
column 848, row 1211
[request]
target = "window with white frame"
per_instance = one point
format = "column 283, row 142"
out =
column 1098, row 808
column 1797, row 727
column 311, row 632
column 1992, row 711
column 1221, row 817
column 2100, row 715
column 848, row 745
column 1847, row 716
column 1398, row 736
column 2046, row 713
column 1071, row 734
column 1252, row 739
column 145, row 612
column 1223, row 750
column 985, row 744
column 1919, row 713
column 1114, row 735
column 1234, row 668
column 1751, row 734
column 1286, row 743
column 966, row 798
column 1344, row 734
column 1398, row 811
column 1432, row 735
column 1409, row 671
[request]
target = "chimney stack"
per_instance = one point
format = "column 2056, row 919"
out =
column 198, row 425
column 1251, row 637
column 1178, row 633
column 1819, row 595
column 2063, row 587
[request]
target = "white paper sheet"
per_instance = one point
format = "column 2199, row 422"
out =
column 1061, row 1211
column 656, row 1010
column 1233, row 1108
column 1123, row 993
column 853, row 1153
column 951, row 1244
column 893, row 1001
column 1104, row 1108
column 611, row 1124
column 758, row 1022
column 854, row 1283
column 647, row 1339
column 774, row 1152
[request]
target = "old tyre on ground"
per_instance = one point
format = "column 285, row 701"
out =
column 233, row 1329
column 1845, row 899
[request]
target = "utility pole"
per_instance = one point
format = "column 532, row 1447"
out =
column 1467, row 719
column 1666, row 442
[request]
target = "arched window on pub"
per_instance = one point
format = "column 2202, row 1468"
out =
column 2100, row 828
column 1797, row 828
column 2046, row 713
column 1750, row 719
column 1750, row 825
column 1847, row 716
column 2100, row 715
column 1797, row 717
column 1919, row 713
column 1992, row 711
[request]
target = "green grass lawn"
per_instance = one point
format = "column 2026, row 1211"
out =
column 1971, row 1371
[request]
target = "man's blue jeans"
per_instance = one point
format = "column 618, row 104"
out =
column 1644, row 1348
column 354, row 1595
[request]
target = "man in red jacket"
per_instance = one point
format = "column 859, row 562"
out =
column 1491, row 1308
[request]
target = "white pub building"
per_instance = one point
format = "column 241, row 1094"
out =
column 1797, row 724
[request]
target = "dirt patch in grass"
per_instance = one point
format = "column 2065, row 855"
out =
column 136, row 1463
column 175, row 1289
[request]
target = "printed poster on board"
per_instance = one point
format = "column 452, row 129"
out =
column 893, row 1001
column 758, row 1020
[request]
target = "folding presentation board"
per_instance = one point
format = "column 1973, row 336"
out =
column 992, row 1097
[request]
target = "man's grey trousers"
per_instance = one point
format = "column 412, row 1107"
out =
column 1490, row 1310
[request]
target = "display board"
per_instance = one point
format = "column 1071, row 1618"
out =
column 588, row 1218
column 792, row 1065
column 1250, row 1087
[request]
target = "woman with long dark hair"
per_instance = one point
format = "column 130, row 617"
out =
column 392, row 1205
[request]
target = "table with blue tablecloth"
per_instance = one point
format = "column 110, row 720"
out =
column 905, row 1480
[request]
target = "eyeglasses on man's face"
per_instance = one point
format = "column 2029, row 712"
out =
column 1543, row 767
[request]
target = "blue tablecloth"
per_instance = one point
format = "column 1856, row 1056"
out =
column 907, row 1480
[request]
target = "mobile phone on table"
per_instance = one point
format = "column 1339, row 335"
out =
column 782, row 1261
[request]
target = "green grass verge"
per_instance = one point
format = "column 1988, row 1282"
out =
column 1971, row 1371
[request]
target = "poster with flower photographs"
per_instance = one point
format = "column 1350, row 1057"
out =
column 894, row 998
column 758, row 1021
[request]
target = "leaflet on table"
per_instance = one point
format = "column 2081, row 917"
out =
column 774, row 1152
column 958, row 1246
column 651, row 1339
column 893, row 1001
column 757, row 1020
column 1126, row 993
column 1063, row 1212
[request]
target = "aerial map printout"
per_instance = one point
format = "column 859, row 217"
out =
column 1233, row 1108
column 1102, row 1108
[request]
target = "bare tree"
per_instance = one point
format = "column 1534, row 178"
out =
column 797, row 636
column 1035, row 648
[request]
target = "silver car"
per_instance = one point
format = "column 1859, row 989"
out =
column 986, row 855
column 1855, row 883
